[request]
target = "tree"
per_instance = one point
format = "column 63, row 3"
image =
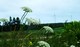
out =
column 26, row 11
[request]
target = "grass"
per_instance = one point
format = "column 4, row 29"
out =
column 17, row 38
column 61, row 38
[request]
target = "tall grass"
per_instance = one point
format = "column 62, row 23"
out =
column 66, row 36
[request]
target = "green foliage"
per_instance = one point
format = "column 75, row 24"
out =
column 73, row 26
column 3, row 20
column 71, row 34
column 63, row 37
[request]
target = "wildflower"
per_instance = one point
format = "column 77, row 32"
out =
column 26, row 9
column 42, row 44
column 32, row 21
column 48, row 29
column 30, row 43
column 72, row 46
column 78, row 42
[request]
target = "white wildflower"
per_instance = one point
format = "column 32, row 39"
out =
column 72, row 46
column 48, row 29
column 78, row 42
column 32, row 21
column 43, row 44
column 26, row 9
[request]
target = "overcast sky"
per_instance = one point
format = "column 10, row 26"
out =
column 45, row 10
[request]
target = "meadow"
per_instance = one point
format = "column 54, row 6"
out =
column 67, row 36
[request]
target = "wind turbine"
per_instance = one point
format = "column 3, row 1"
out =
column 54, row 17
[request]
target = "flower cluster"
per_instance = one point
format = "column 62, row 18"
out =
column 42, row 44
column 48, row 29
column 26, row 9
column 72, row 46
column 32, row 21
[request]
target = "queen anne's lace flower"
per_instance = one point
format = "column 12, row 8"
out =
column 48, row 29
column 32, row 21
column 42, row 44
column 72, row 46
column 26, row 9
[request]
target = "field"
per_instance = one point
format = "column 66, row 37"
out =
column 66, row 36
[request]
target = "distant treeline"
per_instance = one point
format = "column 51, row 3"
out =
column 36, row 27
column 14, row 24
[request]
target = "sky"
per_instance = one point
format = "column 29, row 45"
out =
column 48, row 11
